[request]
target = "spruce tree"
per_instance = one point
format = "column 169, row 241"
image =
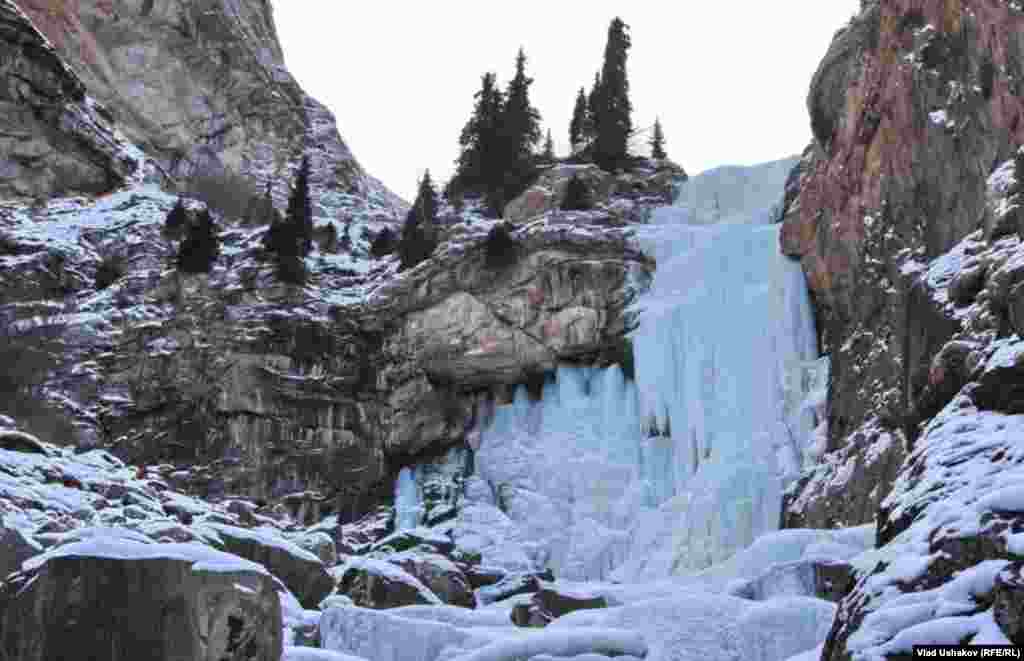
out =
column 593, row 101
column 291, row 239
column 419, row 237
column 579, row 120
column 520, row 120
column 300, row 210
column 549, row 149
column 613, row 121
column 427, row 202
column 520, row 130
column 479, row 141
column 176, row 219
column 658, row 142
column 201, row 246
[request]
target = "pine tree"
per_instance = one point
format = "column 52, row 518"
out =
column 593, row 101
column 419, row 238
column 291, row 239
column 549, row 149
column 520, row 133
column 176, row 219
column 613, row 121
column 579, row 120
column 520, row 120
column 300, row 210
column 427, row 203
column 201, row 246
column 658, row 142
column 480, row 138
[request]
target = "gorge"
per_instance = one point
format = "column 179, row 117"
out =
column 769, row 412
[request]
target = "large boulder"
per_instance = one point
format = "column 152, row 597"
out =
column 551, row 603
column 378, row 584
column 121, row 601
column 301, row 571
column 439, row 574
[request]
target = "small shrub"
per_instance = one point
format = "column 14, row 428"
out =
column 110, row 270
column 201, row 246
column 577, row 196
column 500, row 249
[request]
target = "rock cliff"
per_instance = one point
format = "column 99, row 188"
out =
column 200, row 87
column 905, row 212
column 317, row 394
column 912, row 108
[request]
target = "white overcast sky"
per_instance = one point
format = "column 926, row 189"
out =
column 728, row 78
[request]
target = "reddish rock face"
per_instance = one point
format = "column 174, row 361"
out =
column 904, row 60
column 912, row 107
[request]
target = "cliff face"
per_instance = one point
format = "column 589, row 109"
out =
column 53, row 138
column 247, row 385
column 912, row 108
column 908, row 225
column 202, row 89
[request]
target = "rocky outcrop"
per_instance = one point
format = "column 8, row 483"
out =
column 953, row 514
column 551, row 603
column 202, row 88
column 912, row 108
column 465, row 325
column 15, row 548
column 378, row 584
column 120, row 600
column 628, row 196
column 302, row 572
column 54, row 139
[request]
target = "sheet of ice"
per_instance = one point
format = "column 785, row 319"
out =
column 726, row 360
column 728, row 391
column 310, row 654
column 407, row 502
column 570, row 643
column 695, row 626
column 381, row 636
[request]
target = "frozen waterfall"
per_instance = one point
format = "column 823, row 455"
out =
column 686, row 465
column 407, row 500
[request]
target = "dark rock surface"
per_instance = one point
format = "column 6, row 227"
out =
column 90, row 603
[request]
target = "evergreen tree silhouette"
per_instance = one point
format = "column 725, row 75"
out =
column 300, row 210
column 477, row 169
column 291, row 239
column 658, row 142
column 590, row 119
column 419, row 238
column 613, row 122
column 201, row 246
column 176, row 219
column 579, row 120
column 549, row 148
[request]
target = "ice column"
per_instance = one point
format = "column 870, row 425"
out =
column 407, row 502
